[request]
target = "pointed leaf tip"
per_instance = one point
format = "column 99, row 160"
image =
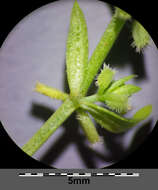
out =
column 122, row 14
column 143, row 113
column 75, row 3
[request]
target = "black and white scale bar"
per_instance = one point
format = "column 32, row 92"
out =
column 31, row 174
column 127, row 175
column 79, row 174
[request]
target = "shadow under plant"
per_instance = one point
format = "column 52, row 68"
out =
column 90, row 157
column 123, row 54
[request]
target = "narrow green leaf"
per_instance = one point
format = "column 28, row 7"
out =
column 120, row 82
column 50, row 91
column 104, row 78
column 108, row 119
column 88, row 126
column 49, row 127
column 127, row 90
column 77, row 50
column 140, row 36
column 113, row 122
column 143, row 113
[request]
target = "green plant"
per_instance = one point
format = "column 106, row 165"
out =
column 80, row 74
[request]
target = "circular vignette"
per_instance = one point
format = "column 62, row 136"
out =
column 35, row 50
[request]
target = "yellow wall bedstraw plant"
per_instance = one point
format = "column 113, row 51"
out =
column 81, row 72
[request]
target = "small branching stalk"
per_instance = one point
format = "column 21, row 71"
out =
column 81, row 72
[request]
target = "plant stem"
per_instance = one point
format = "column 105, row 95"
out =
column 104, row 46
column 49, row 127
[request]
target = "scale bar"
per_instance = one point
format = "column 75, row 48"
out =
column 79, row 174
column 31, row 174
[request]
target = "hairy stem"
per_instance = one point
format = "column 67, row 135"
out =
column 49, row 127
